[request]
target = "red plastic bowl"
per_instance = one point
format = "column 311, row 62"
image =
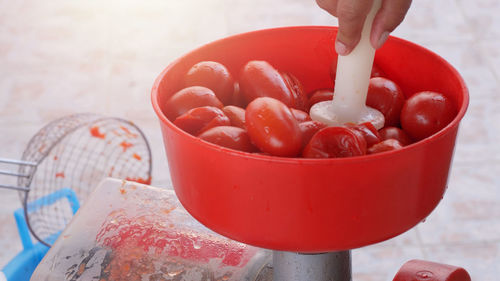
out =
column 311, row 205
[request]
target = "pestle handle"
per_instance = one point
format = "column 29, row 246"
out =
column 351, row 84
column 353, row 71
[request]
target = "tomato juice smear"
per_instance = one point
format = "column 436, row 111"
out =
column 143, row 237
column 139, row 180
column 125, row 145
column 94, row 131
column 128, row 132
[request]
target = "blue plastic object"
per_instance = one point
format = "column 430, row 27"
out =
column 22, row 266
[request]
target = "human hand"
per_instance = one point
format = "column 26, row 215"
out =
column 351, row 15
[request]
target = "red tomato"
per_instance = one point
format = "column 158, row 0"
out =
column 272, row 127
column 320, row 95
column 335, row 142
column 200, row 119
column 386, row 145
column 260, row 79
column 300, row 115
column 214, row 76
column 395, row 133
column 230, row 137
column 368, row 131
column 385, row 96
column 236, row 115
column 425, row 113
column 298, row 95
column 189, row 98
column 308, row 129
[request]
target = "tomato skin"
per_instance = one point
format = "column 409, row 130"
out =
column 299, row 97
column 300, row 115
column 395, row 133
column 200, row 119
column 230, row 137
column 308, row 129
column 386, row 145
column 386, row 96
column 236, row 115
column 320, row 95
column 214, row 76
column 189, row 98
column 368, row 131
column 273, row 128
column 335, row 142
column 425, row 113
column 260, row 79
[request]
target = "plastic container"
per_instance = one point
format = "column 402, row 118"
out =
column 131, row 231
column 22, row 266
column 311, row 205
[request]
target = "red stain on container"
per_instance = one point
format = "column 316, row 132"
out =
column 125, row 145
column 139, row 180
column 142, row 238
column 55, row 157
column 60, row 175
column 94, row 131
column 167, row 211
column 128, row 132
column 137, row 156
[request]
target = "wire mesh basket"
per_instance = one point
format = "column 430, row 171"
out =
column 76, row 152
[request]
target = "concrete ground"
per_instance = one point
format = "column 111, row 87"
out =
column 62, row 57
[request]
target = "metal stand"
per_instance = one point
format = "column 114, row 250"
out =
column 334, row 266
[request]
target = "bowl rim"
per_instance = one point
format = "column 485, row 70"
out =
column 312, row 161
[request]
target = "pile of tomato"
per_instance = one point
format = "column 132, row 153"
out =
column 266, row 112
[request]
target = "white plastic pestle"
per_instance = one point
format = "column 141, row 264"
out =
column 351, row 84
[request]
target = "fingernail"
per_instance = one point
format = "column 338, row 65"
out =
column 381, row 40
column 340, row 48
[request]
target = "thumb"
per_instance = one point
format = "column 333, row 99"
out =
column 351, row 16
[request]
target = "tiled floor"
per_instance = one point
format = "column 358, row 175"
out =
column 60, row 57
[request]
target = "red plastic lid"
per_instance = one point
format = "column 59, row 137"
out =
column 420, row 270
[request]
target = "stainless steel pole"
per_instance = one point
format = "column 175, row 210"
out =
column 333, row 266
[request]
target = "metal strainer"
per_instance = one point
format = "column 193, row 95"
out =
column 75, row 153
